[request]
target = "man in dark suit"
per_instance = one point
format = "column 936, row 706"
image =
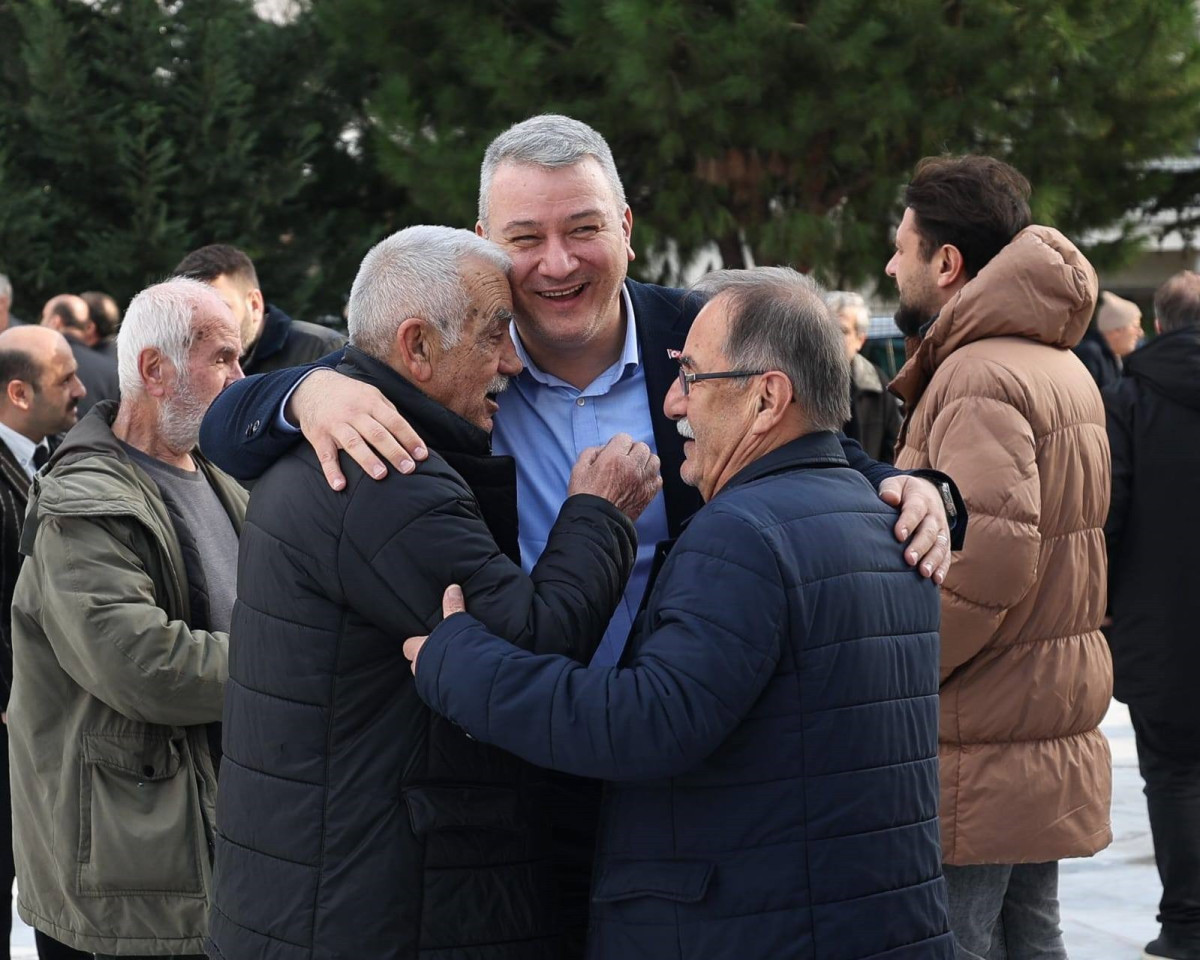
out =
column 594, row 345
column 39, row 398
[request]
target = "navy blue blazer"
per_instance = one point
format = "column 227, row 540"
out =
column 239, row 432
column 770, row 745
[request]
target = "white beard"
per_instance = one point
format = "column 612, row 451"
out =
column 179, row 419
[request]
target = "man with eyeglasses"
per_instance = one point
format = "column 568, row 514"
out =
column 769, row 739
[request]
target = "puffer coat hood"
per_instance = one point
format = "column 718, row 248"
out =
column 1000, row 403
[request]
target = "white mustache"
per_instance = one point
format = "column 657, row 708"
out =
column 685, row 429
column 498, row 384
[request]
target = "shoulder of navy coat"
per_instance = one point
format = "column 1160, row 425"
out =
column 771, row 746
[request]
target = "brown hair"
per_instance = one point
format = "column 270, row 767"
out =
column 218, row 260
column 975, row 203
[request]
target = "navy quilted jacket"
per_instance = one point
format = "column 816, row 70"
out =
column 770, row 740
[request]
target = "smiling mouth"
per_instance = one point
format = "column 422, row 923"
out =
column 562, row 294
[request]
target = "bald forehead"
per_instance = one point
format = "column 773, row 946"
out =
column 36, row 341
column 77, row 305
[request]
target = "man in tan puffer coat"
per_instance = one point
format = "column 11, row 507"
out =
column 996, row 399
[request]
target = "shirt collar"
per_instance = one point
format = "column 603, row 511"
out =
column 21, row 446
column 629, row 360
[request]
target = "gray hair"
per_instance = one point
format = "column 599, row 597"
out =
column 162, row 316
column 5, row 288
column 416, row 272
column 840, row 301
column 548, row 140
column 1177, row 302
column 778, row 321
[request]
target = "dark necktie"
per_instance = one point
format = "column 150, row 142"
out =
column 41, row 454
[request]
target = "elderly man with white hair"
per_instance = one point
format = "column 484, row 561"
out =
column 120, row 622
column 352, row 821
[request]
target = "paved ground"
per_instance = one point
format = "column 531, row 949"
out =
column 1108, row 902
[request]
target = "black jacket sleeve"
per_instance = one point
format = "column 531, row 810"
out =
column 562, row 607
column 1118, row 408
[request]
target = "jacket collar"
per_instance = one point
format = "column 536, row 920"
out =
column 276, row 326
column 443, row 429
column 1093, row 335
column 810, row 451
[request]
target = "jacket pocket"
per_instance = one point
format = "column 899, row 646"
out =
column 139, row 817
column 458, row 808
column 683, row 881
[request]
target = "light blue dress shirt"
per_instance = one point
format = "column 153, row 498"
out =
column 544, row 423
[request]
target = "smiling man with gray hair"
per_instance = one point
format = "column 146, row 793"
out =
column 120, row 634
column 351, row 820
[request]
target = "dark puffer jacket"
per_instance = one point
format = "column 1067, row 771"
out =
column 285, row 342
column 770, row 741
column 352, row 823
column 1153, row 527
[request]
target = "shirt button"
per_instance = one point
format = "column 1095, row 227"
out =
column 581, row 401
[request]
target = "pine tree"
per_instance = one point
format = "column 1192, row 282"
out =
column 786, row 127
column 134, row 131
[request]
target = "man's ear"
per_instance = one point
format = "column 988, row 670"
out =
column 415, row 349
column 774, row 401
column 154, row 369
column 627, row 232
column 19, row 393
column 256, row 303
column 950, row 267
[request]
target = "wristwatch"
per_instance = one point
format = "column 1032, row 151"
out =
column 948, row 502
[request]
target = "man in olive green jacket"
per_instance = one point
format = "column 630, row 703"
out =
column 120, row 654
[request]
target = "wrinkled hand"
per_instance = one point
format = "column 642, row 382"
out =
column 622, row 472
column 452, row 603
column 923, row 517
column 336, row 413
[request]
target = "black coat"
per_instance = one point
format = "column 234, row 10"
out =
column 285, row 342
column 1153, row 528
column 351, row 821
column 1095, row 354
